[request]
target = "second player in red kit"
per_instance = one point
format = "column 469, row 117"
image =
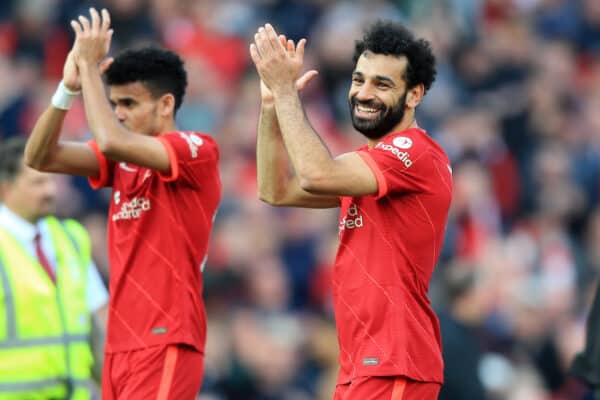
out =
column 394, row 194
column 165, row 191
column 158, row 231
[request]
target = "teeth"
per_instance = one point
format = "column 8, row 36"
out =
column 366, row 109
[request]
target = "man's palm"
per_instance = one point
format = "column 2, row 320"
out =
column 71, row 78
column 267, row 95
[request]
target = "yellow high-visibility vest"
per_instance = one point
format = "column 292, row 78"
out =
column 45, row 327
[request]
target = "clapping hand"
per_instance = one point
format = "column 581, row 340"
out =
column 92, row 40
column 267, row 95
column 278, row 62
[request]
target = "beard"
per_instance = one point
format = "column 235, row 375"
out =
column 380, row 126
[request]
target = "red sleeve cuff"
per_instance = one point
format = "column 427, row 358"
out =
column 100, row 181
column 381, row 182
column 173, row 174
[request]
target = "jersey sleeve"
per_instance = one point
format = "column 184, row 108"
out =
column 400, row 164
column 191, row 154
column 105, row 177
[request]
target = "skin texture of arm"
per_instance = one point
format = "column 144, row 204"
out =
column 317, row 172
column 45, row 152
column 114, row 140
column 92, row 42
column 276, row 185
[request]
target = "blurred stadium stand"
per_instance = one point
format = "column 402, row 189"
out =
column 516, row 105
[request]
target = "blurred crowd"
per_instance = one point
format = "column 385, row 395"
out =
column 515, row 105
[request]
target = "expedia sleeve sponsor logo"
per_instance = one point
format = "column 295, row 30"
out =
column 132, row 209
column 352, row 220
column 403, row 156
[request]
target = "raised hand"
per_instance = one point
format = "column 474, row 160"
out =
column 71, row 78
column 277, row 61
column 92, row 38
column 265, row 92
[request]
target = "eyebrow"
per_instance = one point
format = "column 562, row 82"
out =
column 121, row 100
column 380, row 78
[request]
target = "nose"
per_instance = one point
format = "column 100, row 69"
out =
column 120, row 113
column 365, row 92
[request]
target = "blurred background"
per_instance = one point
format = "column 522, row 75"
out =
column 515, row 105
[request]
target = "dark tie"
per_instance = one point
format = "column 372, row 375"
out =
column 42, row 257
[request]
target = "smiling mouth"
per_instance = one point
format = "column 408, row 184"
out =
column 366, row 112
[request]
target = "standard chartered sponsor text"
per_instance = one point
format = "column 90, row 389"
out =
column 352, row 220
column 132, row 209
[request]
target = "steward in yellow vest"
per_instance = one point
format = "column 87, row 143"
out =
column 45, row 327
column 45, row 310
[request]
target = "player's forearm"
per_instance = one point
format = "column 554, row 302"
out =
column 273, row 170
column 309, row 155
column 43, row 140
column 105, row 127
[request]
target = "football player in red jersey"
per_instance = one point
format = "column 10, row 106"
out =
column 394, row 194
column 166, row 188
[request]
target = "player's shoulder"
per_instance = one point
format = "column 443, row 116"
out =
column 412, row 141
column 195, row 137
column 403, row 144
column 407, row 139
column 197, row 141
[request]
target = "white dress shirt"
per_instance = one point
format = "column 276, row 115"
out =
column 24, row 232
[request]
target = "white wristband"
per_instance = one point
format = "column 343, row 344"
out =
column 63, row 97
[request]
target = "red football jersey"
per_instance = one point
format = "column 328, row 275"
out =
column 389, row 245
column 158, row 232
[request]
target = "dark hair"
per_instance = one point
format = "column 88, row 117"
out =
column 11, row 158
column 389, row 38
column 160, row 70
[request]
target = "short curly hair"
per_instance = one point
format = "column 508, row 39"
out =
column 160, row 70
column 390, row 38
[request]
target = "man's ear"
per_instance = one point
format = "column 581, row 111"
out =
column 415, row 95
column 166, row 105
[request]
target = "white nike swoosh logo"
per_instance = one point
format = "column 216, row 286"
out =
column 126, row 167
